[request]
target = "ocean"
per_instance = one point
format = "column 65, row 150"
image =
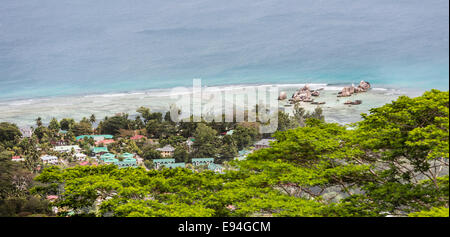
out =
column 73, row 50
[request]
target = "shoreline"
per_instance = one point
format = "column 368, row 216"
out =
column 338, row 86
column 24, row 112
column 153, row 91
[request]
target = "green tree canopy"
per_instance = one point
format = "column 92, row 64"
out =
column 8, row 133
column 66, row 123
column 112, row 125
column 205, row 144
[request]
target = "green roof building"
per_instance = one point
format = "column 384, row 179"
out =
column 111, row 160
column 129, row 159
column 215, row 167
column 243, row 154
column 164, row 161
column 174, row 165
column 99, row 150
column 107, row 156
column 126, row 155
column 127, row 162
column 158, row 162
column 202, row 161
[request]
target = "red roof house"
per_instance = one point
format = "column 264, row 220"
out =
column 84, row 163
column 105, row 142
column 137, row 137
column 17, row 158
column 52, row 197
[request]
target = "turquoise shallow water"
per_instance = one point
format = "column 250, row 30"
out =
column 64, row 48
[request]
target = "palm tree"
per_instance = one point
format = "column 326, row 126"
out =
column 92, row 119
column 32, row 155
column 39, row 121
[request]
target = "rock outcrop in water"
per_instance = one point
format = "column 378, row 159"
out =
column 350, row 90
column 347, row 91
column 304, row 94
column 356, row 102
column 362, row 87
column 282, row 96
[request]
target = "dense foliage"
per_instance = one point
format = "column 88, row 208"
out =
column 8, row 133
column 170, row 192
column 15, row 198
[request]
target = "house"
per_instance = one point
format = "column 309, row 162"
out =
column 190, row 143
column 104, row 142
column 159, row 162
column 84, row 163
column 263, row 143
column 174, row 165
column 202, row 161
column 215, row 168
column 127, row 162
column 57, row 142
column 98, row 151
column 80, row 156
column 107, row 156
column 110, row 160
column 138, row 137
column 26, row 132
column 17, row 158
column 209, row 162
column 47, row 159
column 52, row 197
column 67, row 149
column 95, row 137
column 166, row 151
column 139, row 159
column 243, row 154
column 230, row 132
column 127, row 155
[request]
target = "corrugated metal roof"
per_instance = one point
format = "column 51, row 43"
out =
column 168, row 148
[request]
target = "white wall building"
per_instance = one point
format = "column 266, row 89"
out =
column 26, row 132
column 47, row 159
column 17, row 158
column 80, row 156
column 67, row 148
column 166, row 151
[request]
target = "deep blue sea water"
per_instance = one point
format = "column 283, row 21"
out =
column 61, row 47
